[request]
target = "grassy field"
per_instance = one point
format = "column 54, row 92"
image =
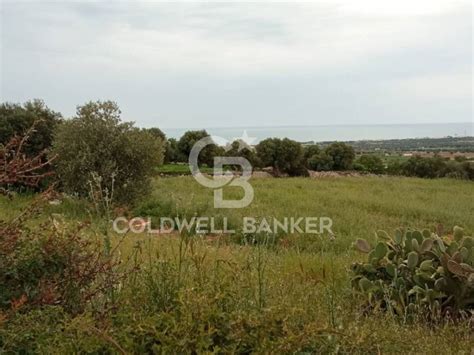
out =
column 357, row 206
column 179, row 169
column 203, row 294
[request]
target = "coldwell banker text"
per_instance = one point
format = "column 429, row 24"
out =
column 208, row 225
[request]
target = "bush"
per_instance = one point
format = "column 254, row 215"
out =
column 242, row 149
column 336, row 156
column 16, row 120
column 284, row 155
column 321, row 162
column 342, row 155
column 206, row 156
column 371, row 163
column 310, row 151
column 172, row 154
column 424, row 167
column 50, row 265
column 19, row 170
column 417, row 272
column 96, row 146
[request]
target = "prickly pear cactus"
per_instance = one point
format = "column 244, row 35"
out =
column 418, row 271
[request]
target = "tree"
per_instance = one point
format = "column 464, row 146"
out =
column 157, row 133
column 96, row 146
column 371, row 163
column 342, row 155
column 161, row 137
column 16, row 120
column 239, row 148
column 424, row 167
column 267, row 151
column 309, row 152
column 172, row 153
column 321, row 162
column 284, row 155
column 206, row 156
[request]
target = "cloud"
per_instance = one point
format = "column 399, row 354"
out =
column 219, row 57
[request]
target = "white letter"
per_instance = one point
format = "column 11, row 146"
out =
column 296, row 226
column 311, row 225
column 201, row 222
column 163, row 228
column 249, row 222
column 327, row 226
column 117, row 228
column 184, row 224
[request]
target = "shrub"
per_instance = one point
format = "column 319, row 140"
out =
column 97, row 146
column 418, row 272
column 395, row 167
column 321, row 162
column 170, row 146
column 371, row 163
column 342, row 155
column 172, row 154
column 310, row 151
column 206, row 156
column 284, row 155
column 51, row 264
column 242, row 149
column 18, row 169
column 424, row 167
column 16, row 120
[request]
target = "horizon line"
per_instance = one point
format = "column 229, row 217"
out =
column 321, row 125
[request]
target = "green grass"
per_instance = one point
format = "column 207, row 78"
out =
column 179, row 169
column 205, row 294
column 358, row 206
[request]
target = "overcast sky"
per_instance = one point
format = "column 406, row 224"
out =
column 244, row 64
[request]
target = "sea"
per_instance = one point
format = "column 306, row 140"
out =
column 338, row 132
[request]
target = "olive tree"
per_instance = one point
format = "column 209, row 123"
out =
column 16, row 120
column 284, row 155
column 97, row 148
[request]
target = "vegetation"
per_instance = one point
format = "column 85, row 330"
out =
column 452, row 144
column 284, row 155
column 370, row 163
column 17, row 120
column 291, row 293
column 206, row 156
column 336, row 156
column 72, row 284
column 418, row 273
column 95, row 150
column 435, row 167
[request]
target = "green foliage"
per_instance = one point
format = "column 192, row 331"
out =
column 321, row 162
column 172, row 153
column 16, row 119
column 341, row 154
column 336, row 156
column 171, row 150
column 242, row 149
column 309, row 151
column 432, row 167
column 371, row 163
column 418, row 272
column 284, row 155
column 97, row 144
column 206, row 294
column 52, row 264
column 424, row 167
column 206, row 156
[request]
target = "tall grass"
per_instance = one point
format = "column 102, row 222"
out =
column 193, row 294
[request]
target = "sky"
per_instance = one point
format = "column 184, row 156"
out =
column 229, row 64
